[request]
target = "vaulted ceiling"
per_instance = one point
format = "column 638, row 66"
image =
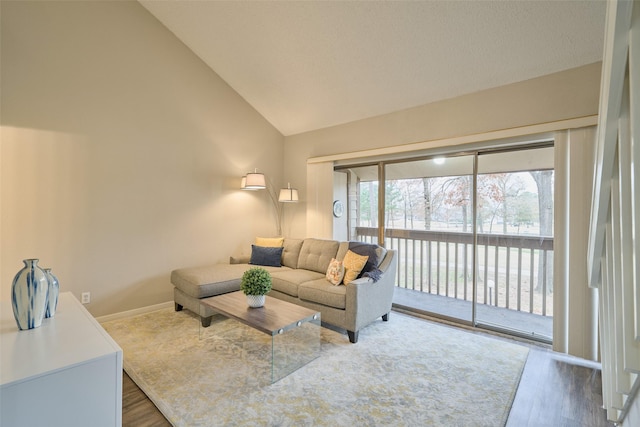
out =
column 313, row 64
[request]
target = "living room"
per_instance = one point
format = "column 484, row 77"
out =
column 122, row 150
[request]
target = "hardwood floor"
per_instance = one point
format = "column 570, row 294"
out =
column 560, row 391
column 555, row 391
column 137, row 409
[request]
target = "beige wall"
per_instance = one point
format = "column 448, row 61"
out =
column 561, row 96
column 121, row 153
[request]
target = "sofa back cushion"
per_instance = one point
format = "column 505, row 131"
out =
column 269, row 256
column 291, row 252
column 316, row 254
column 269, row 242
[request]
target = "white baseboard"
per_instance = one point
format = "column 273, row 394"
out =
column 134, row 312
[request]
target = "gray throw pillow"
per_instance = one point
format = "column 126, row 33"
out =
column 261, row 255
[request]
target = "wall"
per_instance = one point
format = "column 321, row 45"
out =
column 121, row 153
column 565, row 95
column 340, row 224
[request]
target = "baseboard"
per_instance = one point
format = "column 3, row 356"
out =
column 134, row 312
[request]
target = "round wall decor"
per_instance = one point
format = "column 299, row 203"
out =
column 338, row 208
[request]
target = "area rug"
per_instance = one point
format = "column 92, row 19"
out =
column 405, row 372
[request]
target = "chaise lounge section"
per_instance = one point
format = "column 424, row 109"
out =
column 302, row 279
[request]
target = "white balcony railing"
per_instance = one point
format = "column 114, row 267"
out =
column 514, row 272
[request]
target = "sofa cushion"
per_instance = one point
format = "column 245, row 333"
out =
column 342, row 250
column 288, row 281
column 335, row 272
column 216, row 279
column 291, row 252
column 202, row 282
column 323, row 292
column 268, row 256
column 353, row 265
column 316, row 254
column 269, row 242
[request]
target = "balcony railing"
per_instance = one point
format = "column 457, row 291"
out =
column 513, row 272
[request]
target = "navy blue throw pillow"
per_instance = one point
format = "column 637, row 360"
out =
column 261, row 255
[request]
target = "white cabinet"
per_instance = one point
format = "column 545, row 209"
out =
column 67, row 372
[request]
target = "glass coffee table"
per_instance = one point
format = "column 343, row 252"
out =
column 294, row 331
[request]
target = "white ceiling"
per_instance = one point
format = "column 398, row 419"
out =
column 313, row 64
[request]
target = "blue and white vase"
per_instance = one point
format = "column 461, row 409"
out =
column 54, row 291
column 29, row 295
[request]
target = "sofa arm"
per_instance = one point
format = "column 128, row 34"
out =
column 367, row 300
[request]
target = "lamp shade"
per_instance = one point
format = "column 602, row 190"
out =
column 288, row 195
column 253, row 181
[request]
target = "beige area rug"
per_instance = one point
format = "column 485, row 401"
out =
column 405, row 372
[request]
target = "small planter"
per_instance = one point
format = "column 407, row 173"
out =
column 256, row 301
column 256, row 283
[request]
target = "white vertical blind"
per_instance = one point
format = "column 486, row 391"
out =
column 614, row 238
column 575, row 305
column 561, row 239
column 320, row 200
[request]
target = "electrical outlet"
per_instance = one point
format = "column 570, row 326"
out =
column 86, row 297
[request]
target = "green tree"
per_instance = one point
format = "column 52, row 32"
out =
column 394, row 201
column 544, row 182
column 368, row 203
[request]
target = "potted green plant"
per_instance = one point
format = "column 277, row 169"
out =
column 256, row 283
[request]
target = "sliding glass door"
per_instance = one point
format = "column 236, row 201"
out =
column 429, row 221
column 473, row 231
column 355, row 206
column 514, row 217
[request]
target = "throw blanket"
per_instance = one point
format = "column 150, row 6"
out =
column 370, row 269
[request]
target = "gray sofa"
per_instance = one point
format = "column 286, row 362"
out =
column 300, row 280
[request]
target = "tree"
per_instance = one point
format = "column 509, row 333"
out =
column 373, row 203
column 525, row 209
column 544, row 182
column 498, row 195
column 457, row 192
column 432, row 198
column 426, row 197
column 490, row 198
column 393, row 201
column 368, row 199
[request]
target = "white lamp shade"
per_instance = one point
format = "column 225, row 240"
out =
column 288, row 195
column 254, row 181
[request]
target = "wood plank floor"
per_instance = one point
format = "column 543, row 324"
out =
column 560, row 391
column 555, row 391
column 137, row 409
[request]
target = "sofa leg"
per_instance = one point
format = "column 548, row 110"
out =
column 353, row 336
column 206, row 321
column 178, row 307
column 385, row 317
